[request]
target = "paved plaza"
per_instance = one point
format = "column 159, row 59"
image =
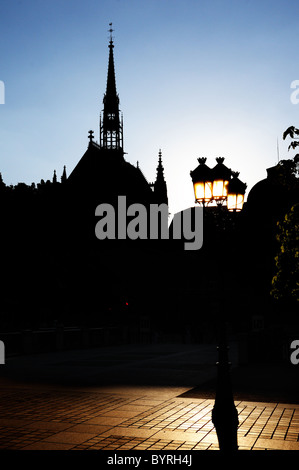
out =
column 146, row 397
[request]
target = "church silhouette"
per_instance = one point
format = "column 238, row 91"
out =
column 103, row 173
column 56, row 273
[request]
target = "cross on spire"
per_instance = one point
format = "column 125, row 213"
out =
column 110, row 30
column 90, row 135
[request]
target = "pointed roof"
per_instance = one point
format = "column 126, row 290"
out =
column 111, row 96
column 111, row 82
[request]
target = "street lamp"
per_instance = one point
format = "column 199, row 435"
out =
column 221, row 185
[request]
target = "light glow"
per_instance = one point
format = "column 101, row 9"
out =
column 220, row 189
column 203, row 191
column 235, row 202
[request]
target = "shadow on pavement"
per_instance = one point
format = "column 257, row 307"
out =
column 257, row 382
column 192, row 367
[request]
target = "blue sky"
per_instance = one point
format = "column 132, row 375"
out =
column 196, row 78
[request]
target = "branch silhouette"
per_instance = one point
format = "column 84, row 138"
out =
column 291, row 131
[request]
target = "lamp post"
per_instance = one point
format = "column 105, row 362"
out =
column 221, row 185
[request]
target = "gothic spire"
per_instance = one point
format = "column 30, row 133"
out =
column 54, row 180
column 63, row 177
column 111, row 93
column 111, row 126
column 160, row 187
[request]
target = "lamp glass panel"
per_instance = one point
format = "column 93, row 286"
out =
column 208, row 191
column 220, row 189
column 199, row 191
column 203, row 191
column 235, row 202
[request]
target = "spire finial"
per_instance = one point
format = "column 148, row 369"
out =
column 110, row 30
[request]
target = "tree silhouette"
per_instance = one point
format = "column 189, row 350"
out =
column 292, row 132
column 285, row 282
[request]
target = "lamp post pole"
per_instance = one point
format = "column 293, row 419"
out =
column 224, row 413
column 220, row 184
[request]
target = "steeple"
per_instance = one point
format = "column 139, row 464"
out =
column 111, row 125
column 54, row 180
column 63, row 177
column 160, row 187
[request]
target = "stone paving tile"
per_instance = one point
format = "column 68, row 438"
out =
column 90, row 428
column 69, row 437
column 120, row 413
column 12, row 438
column 11, row 422
column 272, row 422
column 174, row 414
column 72, row 407
column 47, row 446
column 49, row 425
column 148, row 402
column 275, row 444
column 121, row 431
column 119, row 443
column 106, row 420
column 61, row 419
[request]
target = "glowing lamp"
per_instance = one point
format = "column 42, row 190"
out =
column 236, row 193
column 221, row 176
column 202, row 182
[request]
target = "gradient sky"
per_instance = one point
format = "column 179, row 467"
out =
column 196, row 78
